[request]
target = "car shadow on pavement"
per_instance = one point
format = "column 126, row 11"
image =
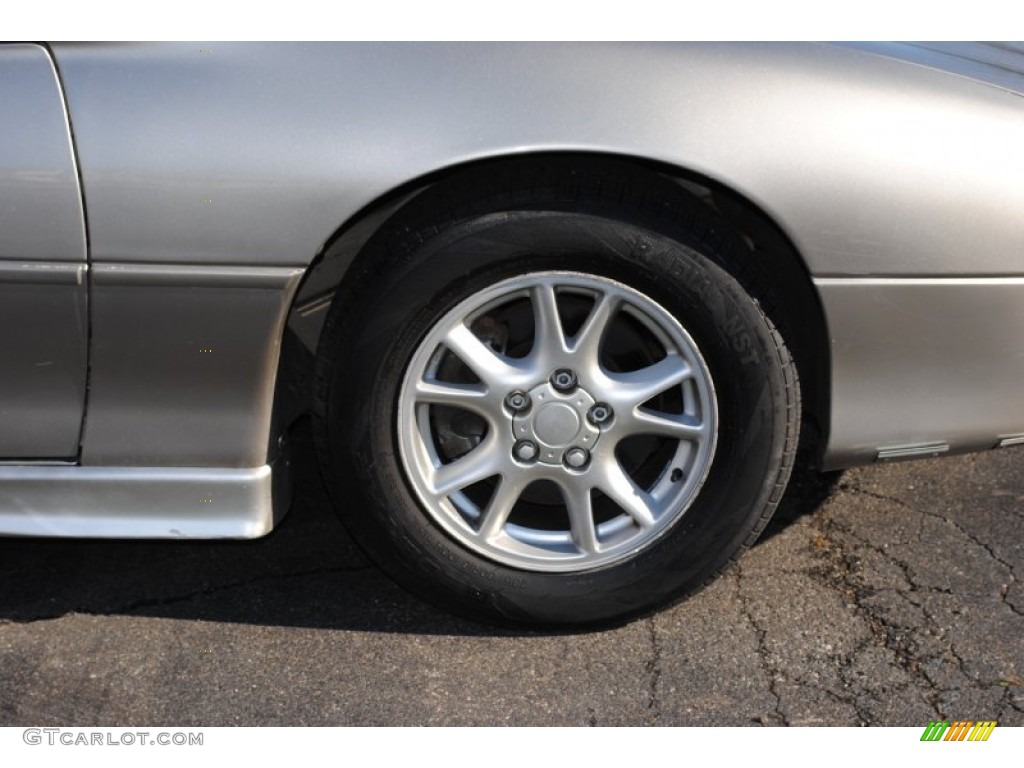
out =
column 307, row 573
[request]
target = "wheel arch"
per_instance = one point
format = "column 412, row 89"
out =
column 797, row 308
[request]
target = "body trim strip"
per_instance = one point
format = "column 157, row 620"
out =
column 912, row 451
column 42, row 272
column 937, row 281
column 194, row 276
column 1006, row 442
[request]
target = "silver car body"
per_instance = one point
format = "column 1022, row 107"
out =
column 169, row 212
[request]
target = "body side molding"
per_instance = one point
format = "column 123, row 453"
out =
column 184, row 363
column 923, row 362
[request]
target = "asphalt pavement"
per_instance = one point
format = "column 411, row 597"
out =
column 888, row 595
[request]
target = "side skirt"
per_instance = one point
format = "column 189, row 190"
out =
column 140, row 502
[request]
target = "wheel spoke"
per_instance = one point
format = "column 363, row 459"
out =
column 620, row 488
column 482, row 462
column 641, row 421
column 548, row 338
column 581, row 518
column 493, row 370
column 500, row 507
column 637, row 387
column 586, row 344
column 471, row 397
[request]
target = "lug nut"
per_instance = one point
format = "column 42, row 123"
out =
column 563, row 379
column 517, row 401
column 599, row 414
column 576, row 458
column 525, row 450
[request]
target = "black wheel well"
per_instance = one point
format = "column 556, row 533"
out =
column 796, row 308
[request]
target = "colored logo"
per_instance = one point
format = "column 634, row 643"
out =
column 958, row 730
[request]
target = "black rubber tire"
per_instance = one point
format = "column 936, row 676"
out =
column 612, row 221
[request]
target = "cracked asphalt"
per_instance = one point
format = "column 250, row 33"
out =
column 889, row 595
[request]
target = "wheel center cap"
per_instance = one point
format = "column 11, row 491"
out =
column 556, row 424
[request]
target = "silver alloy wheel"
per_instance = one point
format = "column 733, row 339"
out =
column 468, row 370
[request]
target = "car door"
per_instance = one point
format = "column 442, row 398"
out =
column 43, row 268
